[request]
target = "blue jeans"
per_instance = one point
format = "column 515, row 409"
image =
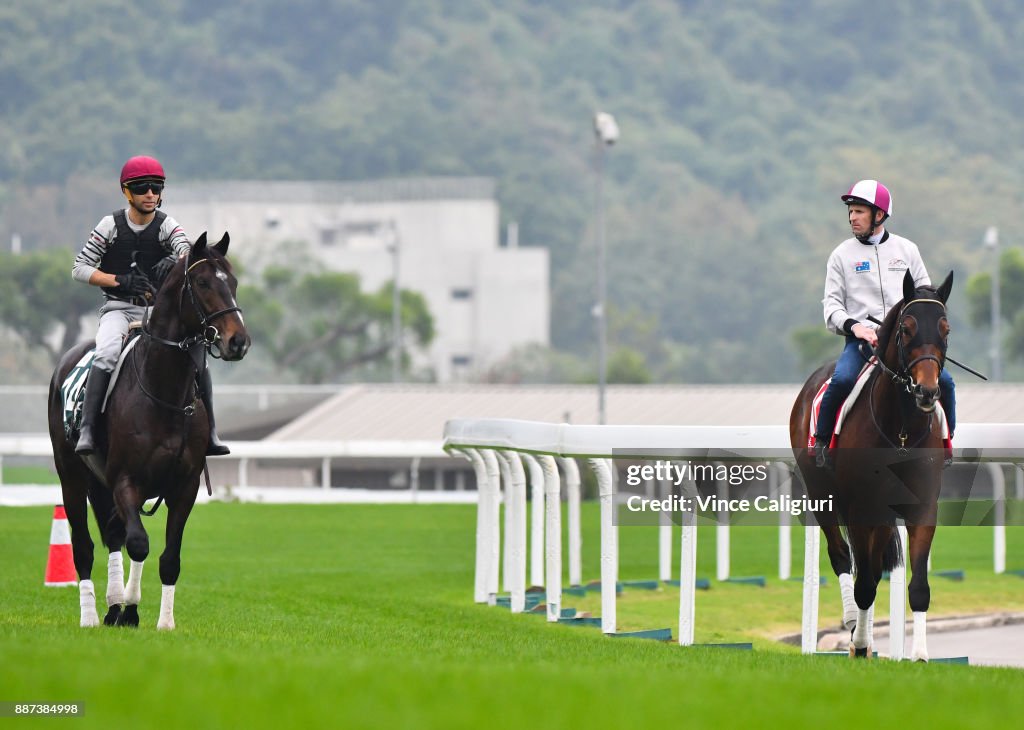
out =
column 843, row 380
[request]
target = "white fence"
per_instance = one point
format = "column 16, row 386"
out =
column 322, row 452
column 495, row 447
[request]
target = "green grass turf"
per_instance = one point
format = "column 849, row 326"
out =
column 29, row 475
column 362, row 616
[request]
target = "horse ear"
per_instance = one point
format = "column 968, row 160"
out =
column 222, row 246
column 199, row 248
column 945, row 288
column 908, row 287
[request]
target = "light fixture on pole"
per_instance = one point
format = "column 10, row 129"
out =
column 606, row 133
column 992, row 242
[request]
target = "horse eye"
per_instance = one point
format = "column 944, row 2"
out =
column 203, row 282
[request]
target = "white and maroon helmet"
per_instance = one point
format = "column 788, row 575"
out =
column 870, row 192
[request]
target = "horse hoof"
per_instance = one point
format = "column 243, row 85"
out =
column 113, row 615
column 129, row 616
column 856, row 653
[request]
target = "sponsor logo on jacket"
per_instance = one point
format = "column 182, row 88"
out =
column 898, row 265
column 862, row 267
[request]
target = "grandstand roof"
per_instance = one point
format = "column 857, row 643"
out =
column 419, row 411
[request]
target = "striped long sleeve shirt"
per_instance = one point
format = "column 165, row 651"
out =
column 172, row 238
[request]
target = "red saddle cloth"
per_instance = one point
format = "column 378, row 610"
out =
column 862, row 378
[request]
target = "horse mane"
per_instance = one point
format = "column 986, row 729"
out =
column 888, row 325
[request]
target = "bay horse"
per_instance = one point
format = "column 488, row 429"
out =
column 156, row 434
column 887, row 464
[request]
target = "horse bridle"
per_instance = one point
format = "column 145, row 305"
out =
column 904, row 378
column 208, row 335
column 902, row 347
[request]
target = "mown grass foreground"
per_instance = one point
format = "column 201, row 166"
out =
column 362, row 616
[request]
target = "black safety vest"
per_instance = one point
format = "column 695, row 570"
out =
column 128, row 246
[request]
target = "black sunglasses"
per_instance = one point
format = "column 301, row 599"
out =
column 140, row 188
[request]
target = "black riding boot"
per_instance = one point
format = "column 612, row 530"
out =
column 95, row 388
column 216, row 447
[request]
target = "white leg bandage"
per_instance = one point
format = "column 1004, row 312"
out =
column 849, row 603
column 133, row 591
column 166, row 620
column 115, row 580
column 862, row 634
column 87, row 602
column 919, row 649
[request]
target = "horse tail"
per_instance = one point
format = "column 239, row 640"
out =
column 893, row 556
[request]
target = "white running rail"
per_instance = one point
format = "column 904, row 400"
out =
column 549, row 444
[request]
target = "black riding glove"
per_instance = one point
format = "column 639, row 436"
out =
column 135, row 284
column 163, row 267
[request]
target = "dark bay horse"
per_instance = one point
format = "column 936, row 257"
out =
column 156, row 433
column 887, row 464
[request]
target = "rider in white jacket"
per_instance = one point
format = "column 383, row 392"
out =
column 864, row 277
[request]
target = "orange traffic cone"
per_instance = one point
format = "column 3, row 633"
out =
column 60, row 565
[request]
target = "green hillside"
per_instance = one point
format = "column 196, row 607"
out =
column 741, row 125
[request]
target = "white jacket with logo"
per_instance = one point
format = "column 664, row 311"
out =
column 867, row 278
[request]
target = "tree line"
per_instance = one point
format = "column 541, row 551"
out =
column 741, row 124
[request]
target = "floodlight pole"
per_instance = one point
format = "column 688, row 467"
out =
column 992, row 242
column 606, row 133
column 599, row 309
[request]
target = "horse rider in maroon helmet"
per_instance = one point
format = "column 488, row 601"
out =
column 128, row 252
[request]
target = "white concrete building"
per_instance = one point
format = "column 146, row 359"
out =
column 485, row 298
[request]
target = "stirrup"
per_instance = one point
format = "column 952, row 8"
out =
column 822, row 457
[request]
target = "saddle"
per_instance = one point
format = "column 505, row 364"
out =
column 72, row 390
column 844, row 409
